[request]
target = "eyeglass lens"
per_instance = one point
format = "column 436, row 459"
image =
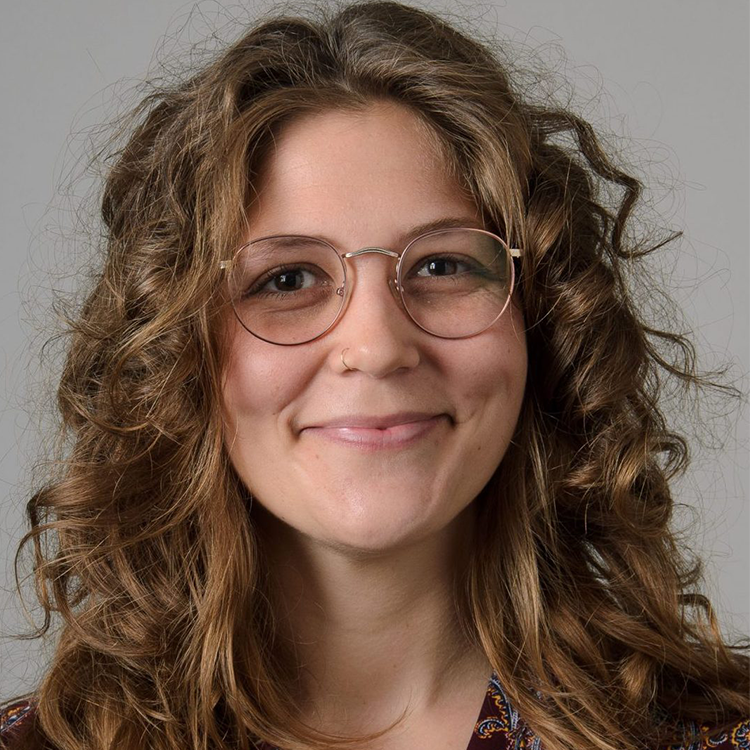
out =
column 290, row 290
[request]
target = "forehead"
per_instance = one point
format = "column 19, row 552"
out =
column 354, row 170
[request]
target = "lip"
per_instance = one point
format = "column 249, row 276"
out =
column 402, row 431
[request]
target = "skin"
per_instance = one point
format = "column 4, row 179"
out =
column 364, row 545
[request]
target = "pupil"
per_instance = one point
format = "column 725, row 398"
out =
column 286, row 280
column 441, row 266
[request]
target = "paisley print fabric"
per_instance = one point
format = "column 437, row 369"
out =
column 498, row 727
column 737, row 737
column 14, row 720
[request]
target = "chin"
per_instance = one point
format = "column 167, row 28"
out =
column 366, row 547
column 377, row 536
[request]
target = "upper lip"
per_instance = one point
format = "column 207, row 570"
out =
column 375, row 421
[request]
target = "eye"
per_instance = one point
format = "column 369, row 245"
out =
column 289, row 280
column 285, row 280
column 444, row 265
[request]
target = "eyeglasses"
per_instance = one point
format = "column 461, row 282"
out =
column 291, row 289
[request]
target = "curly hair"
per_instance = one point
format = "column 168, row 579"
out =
column 578, row 592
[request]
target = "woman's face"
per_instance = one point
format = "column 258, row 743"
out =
column 364, row 179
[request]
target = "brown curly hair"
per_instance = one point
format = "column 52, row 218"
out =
column 579, row 594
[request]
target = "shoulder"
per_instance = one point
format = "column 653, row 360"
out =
column 14, row 720
column 734, row 738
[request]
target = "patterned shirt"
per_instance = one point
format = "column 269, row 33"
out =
column 498, row 727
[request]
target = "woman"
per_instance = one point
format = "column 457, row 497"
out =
column 365, row 425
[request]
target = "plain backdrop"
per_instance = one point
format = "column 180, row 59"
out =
column 670, row 76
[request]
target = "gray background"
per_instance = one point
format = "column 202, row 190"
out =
column 671, row 75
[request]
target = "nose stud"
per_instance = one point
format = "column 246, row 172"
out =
column 342, row 359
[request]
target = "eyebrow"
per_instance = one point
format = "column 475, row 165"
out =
column 448, row 222
column 444, row 223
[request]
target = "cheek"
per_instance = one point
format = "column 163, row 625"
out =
column 503, row 363
column 253, row 384
column 496, row 383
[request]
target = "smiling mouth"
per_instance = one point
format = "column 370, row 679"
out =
column 378, row 438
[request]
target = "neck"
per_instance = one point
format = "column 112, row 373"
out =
column 380, row 631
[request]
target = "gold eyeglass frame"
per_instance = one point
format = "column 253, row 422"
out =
column 393, row 284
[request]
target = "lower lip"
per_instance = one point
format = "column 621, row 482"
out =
column 398, row 436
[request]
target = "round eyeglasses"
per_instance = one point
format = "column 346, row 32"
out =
column 290, row 289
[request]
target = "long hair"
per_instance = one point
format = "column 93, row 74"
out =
column 578, row 591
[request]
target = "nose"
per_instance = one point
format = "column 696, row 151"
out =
column 376, row 331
